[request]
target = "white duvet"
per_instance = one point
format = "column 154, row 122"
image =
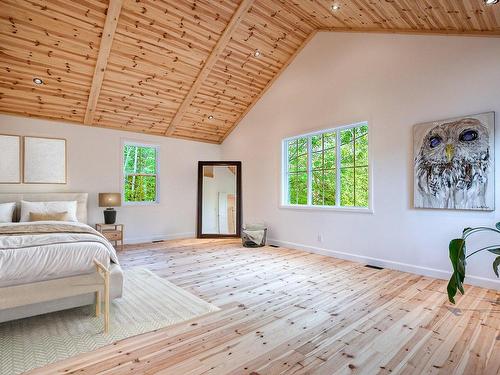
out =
column 29, row 258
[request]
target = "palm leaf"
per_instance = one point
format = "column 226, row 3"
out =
column 468, row 229
column 452, row 290
column 496, row 263
column 457, row 257
column 457, row 251
column 495, row 251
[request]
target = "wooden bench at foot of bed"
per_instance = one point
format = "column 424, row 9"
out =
column 44, row 291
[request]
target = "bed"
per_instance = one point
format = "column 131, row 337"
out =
column 32, row 252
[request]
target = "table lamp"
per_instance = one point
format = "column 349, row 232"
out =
column 110, row 200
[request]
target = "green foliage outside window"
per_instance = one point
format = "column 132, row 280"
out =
column 297, row 171
column 354, row 167
column 323, row 168
column 140, row 173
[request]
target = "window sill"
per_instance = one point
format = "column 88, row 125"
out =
column 361, row 210
column 140, row 203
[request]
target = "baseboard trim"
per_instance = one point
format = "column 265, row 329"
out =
column 419, row 270
column 158, row 237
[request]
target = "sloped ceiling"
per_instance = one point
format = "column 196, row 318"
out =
column 184, row 69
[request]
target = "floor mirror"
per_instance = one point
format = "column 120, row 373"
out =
column 219, row 199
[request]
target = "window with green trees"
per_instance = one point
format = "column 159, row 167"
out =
column 140, row 168
column 328, row 168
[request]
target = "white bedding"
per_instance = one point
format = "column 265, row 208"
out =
column 57, row 254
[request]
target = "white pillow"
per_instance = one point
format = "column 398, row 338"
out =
column 7, row 212
column 48, row 207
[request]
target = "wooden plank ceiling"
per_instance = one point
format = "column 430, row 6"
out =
column 184, row 69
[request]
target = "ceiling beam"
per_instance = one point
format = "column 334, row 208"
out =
column 108, row 33
column 269, row 84
column 209, row 64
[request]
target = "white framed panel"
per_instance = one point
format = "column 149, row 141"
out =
column 44, row 160
column 10, row 162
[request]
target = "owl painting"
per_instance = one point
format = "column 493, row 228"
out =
column 454, row 163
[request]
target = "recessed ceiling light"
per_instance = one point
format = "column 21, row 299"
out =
column 491, row 2
column 37, row 81
column 257, row 53
column 210, row 117
column 335, row 7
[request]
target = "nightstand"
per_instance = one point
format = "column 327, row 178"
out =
column 112, row 232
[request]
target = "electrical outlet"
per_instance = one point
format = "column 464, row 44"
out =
column 320, row 237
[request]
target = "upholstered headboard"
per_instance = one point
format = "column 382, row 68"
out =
column 80, row 198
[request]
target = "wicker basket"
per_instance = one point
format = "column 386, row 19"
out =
column 247, row 242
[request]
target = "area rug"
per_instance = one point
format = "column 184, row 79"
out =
column 148, row 303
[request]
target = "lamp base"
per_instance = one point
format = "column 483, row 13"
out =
column 109, row 216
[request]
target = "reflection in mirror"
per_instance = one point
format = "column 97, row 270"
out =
column 219, row 199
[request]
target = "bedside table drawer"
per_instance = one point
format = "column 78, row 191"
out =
column 112, row 235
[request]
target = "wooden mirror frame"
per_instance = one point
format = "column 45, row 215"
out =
column 199, row 229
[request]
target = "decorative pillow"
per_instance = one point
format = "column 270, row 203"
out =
column 48, row 208
column 7, row 212
column 51, row 216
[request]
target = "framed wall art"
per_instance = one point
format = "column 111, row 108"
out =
column 44, row 160
column 454, row 163
column 10, row 161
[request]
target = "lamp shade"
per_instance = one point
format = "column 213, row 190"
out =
column 110, row 199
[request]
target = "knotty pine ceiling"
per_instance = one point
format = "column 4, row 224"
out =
column 166, row 67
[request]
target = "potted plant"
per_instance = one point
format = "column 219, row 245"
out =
column 458, row 258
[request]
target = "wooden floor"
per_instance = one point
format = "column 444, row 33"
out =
column 289, row 312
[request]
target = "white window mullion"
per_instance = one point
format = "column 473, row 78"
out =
column 337, row 176
column 309, row 171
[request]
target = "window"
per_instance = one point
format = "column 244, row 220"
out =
column 327, row 169
column 140, row 168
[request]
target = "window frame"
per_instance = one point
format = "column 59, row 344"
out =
column 309, row 206
column 126, row 142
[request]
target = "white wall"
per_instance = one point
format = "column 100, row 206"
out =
column 394, row 82
column 94, row 165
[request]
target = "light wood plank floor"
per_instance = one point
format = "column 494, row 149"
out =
column 290, row 312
